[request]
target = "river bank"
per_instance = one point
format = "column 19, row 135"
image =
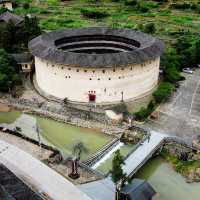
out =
column 184, row 160
column 168, row 184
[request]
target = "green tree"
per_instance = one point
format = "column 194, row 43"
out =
column 163, row 92
column 150, row 28
column 7, row 36
column 188, row 47
column 171, row 65
column 117, row 171
column 8, row 72
column 29, row 30
column 2, row 10
column 78, row 149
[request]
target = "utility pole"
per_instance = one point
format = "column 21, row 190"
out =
column 122, row 93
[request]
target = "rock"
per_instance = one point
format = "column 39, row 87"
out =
column 196, row 142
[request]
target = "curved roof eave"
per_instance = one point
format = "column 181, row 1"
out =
column 43, row 47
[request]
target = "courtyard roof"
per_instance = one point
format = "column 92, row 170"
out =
column 8, row 16
column 4, row 1
column 22, row 58
column 138, row 190
column 149, row 48
column 12, row 188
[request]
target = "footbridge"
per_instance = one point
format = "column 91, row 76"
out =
column 143, row 153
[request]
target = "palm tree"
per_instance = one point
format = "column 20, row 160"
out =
column 77, row 150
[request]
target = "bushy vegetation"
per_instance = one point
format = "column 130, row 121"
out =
column 94, row 13
column 143, row 113
column 8, row 72
column 2, row 10
column 163, row 92
column 14, row 39
column 181, row 164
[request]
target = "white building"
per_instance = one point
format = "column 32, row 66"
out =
column 101, row 65
column 6, row 4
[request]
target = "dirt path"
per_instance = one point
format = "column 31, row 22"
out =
column 4, row 108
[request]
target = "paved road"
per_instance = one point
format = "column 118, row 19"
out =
column 181, row 115
column 36, row 174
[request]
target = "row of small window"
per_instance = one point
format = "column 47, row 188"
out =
column 93, row 71
column 120, row 77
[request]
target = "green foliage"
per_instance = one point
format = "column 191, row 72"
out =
column 163, row 92
column 8, row 72
column 143, row 113
column 171, row 65
column 94, row 13
column 14, row 39
column 53, row 2
column 140, row 6
column 78, row 149
column 188, row 46
column 29, row 30
column 117, row 171
column 2, row 10
column 26, row 6
column 182, row 167
column 150, row 28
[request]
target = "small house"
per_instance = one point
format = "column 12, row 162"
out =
column 6, row 4
column 24, row 60
column 137, row 190
column 7, row 17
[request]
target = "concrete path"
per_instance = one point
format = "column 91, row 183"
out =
column 142, row 154
column 37, row 175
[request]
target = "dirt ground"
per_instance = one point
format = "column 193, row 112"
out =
column 4, row 108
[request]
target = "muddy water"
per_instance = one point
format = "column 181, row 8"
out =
column 168, row 184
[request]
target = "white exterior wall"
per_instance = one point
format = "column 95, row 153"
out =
column 135, row 81
column 7, row 5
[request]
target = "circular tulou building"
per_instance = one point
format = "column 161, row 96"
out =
column 99, row 65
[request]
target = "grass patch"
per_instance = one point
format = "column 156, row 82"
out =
column 9, row 117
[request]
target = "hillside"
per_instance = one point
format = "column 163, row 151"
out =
column 170, row 18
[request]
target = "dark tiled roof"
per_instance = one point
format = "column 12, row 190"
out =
column 21, row 58
column 12, row 188
column 139, row 190
column 44, row 47
column 8, row 16
column 4, row 1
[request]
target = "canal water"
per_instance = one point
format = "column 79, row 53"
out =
column 168, row 184
column 65, row 136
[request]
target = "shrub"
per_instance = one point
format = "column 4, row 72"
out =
column 150, row 28
column 143, row 113
column 26, row 6
column 8, row 72
column 2, row 10
column 94, row 13
column 163, row 92
column 131, row 2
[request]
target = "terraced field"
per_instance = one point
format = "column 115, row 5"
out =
column 55, row 14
